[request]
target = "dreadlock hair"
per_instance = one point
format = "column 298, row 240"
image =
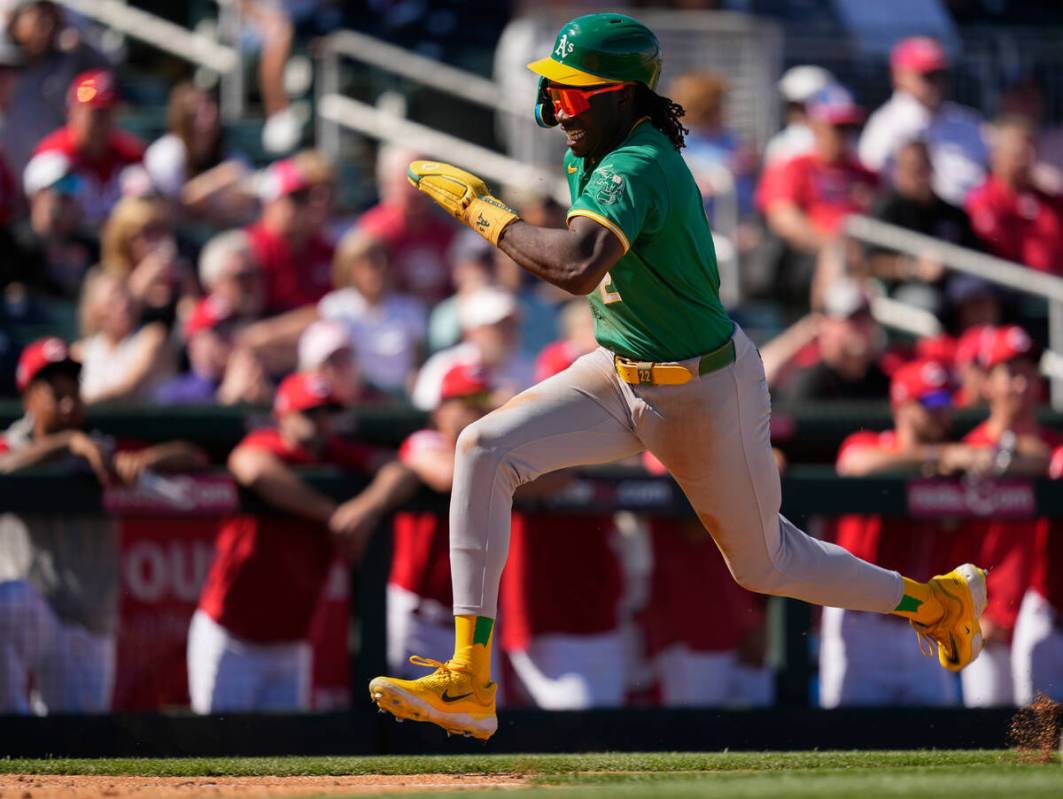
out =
column 664, row 114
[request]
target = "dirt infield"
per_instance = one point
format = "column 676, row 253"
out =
column 38, row 786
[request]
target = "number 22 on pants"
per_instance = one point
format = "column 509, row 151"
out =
column 608, row 291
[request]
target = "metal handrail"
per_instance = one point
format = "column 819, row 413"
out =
column 904, row 317
column 383, row 125
column 158, row 32
column 195, row 48
column 1012, row 275
column 988, row 267
column 427, row 71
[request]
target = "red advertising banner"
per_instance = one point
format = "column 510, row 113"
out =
column 163, row 561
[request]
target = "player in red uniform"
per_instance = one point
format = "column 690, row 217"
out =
column 1009, row 443
column 1037, row 646
column 247, row 647
column 863, row 660
column 562, row 632
column 419, row 590
column 718, row 664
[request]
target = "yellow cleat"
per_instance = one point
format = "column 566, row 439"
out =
column 448, row 697
column 962, row 593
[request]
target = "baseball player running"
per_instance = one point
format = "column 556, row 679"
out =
column 673, row 374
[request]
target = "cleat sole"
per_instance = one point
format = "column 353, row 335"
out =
column 403, row 705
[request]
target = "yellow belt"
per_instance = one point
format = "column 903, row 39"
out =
column 672, row 374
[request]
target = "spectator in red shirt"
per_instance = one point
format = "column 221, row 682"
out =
column 419, row 603
column 287, row 241
column 1009, row 443
column 59, row 584
column 247, row 646
column 806, row 199
column 1016, row 219
column 416, row 234
column 98, row 150
column 867, row 659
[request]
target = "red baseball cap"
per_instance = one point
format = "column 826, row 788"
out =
column 304, row 391
column 283, row 177
column 95, row 88
column 835, row 105
column 925, row 382
column 919, row 53
column 969, row 345
column 941, row 347
column 464, row 381
column 40, row 355
column 208, row 313
column 1005, row 344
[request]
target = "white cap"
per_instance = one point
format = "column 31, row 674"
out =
column 844, row 297
column 486, row 306
column 45, row 170
column 320, row 341
column 798, row 84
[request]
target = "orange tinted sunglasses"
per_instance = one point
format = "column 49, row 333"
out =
column 575, row 101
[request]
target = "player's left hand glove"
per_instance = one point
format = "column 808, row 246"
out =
column 464, row 196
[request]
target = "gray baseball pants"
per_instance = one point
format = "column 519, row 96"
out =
column 713, row 436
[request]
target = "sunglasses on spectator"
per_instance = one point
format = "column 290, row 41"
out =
column 575, row 101
column 936, row 399
column 935, row 76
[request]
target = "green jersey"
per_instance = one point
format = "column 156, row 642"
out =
column 661, row 301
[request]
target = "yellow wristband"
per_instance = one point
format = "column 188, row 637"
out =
column 489, row 216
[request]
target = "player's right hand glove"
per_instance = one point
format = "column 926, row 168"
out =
column 464, row 196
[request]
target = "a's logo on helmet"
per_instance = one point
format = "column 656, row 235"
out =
column 564, row 47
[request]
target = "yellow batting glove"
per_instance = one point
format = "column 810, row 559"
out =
column 464, row 196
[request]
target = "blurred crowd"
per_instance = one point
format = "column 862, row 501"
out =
column 180, row 272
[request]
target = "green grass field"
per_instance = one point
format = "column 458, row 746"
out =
column 816, row 775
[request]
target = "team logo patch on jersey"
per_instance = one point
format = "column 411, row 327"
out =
column 608, row 186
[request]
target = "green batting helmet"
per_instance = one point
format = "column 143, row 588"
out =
column 596, row 49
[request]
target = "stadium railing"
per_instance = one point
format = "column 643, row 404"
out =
column 195, row 48
column 336, row 111
column 1004, row 273
column 806, row 433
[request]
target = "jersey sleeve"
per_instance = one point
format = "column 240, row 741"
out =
column 269, row 440
column 782, row 184
column 861, row 440
column 1055, row 465
column 420, row 443
column 623, row 195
